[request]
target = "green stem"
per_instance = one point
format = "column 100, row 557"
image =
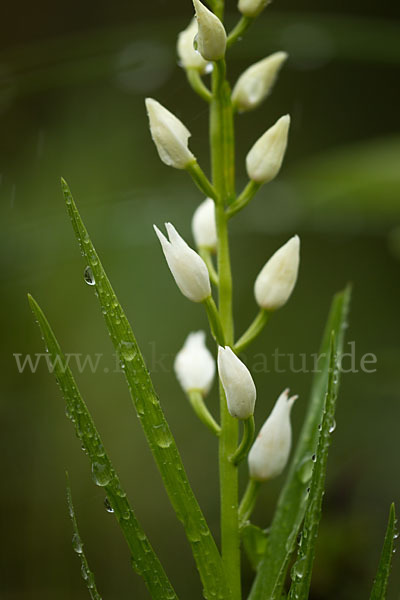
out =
column 222, row 135
column 218, row 8
column 201, row 180
column 222, row 151
column 197, row 84
column 253, row 331
column 248, row 194
column 201, row 410
column 215, row 321
column 248, row 501
column 205, row 254
column 246, row 443
column 239, row 30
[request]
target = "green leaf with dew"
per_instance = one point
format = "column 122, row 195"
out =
column 381, row 580
column 150, row 413
column 77, row 545
column 291, row 505
column 302, row 568
column 143, row 558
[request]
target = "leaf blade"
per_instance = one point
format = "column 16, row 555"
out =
column 151, row 416
column 144, row 559
column 77, row 544
column 302, row 569
column 290, row 509
column 380, row 584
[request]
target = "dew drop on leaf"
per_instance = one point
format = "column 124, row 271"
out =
column 88, row 276
column 108, row 506
column 101, row 474
column 77, row 544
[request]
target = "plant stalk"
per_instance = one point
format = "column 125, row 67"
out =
column 222, row 158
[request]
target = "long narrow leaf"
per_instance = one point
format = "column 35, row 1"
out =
column 302, row 568
column 381, row 580
column 155, row 426
column 77, row 545
column 144, row 559
column 291, row 505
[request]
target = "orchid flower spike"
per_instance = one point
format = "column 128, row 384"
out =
column 265, row 158
column 194, row 364
column 188, row 56
column 238, row 384
column 252, row 8
column 169, row 135
column 187, row 267
column 270, row 452
column 255, row 84
column 277, row 278
column 211, row 38
column 204, row 226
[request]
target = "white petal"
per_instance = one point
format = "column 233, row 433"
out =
column 254, row 85
column 238, row 384
column 252, row 8
column 270, row 452
column 169, row 135
column 211, row 38
column 194, row 364
column 265, row 158
column 189, row 57
column 204, row 227
column 187, row 267
column 277, row 279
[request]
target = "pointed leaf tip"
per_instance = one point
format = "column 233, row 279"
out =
column 379, row 588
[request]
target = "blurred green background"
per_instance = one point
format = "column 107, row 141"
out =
column 73, row 77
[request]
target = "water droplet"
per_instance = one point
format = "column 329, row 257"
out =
column 127, row 350
column 88, row 276
column 314, row 458
column 297, row 570
column 332, row 427
column 101, row 474
column 305, row 468
column 108, row 506
column 77, row 544
column 163, row 435
column 319, row 427
column 141, row 535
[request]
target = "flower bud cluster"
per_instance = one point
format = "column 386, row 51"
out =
column 202, row 42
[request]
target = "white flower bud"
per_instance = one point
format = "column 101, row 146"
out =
column 211, row 38
column 169, row 135
column 277, row 278
column 265, row 158
column 238, row 384
column 186, row 266
column 254, row 85
column 194, row 365
column 270, row 452
column 188, row 56
column 204, row 227
column 252, row 8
